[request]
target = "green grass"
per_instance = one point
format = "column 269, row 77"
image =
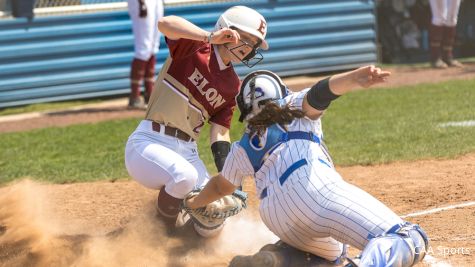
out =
column 378, row 126
column 365, row 127
column 45, row 107
column 71, row 154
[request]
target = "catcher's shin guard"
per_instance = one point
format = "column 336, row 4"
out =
column 402, row 248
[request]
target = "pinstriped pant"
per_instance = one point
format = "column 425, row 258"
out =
column 316, row 211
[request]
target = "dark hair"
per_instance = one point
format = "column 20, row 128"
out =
column 271, row 114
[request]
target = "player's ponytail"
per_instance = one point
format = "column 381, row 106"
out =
column 271, row 114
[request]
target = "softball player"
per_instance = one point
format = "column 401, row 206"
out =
column 442, row 32
column 144, row 15
column 304, row 201
column 197, row 83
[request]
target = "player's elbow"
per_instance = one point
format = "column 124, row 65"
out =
column 165, row 24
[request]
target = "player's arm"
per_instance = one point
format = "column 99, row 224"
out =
column 319, row 97
column 220, row 144
column 216, row 188
column 174, row 28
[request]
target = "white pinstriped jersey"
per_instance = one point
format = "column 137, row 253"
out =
column 238, row 166
column 304, row 201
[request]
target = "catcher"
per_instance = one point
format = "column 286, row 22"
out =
column 304, row 201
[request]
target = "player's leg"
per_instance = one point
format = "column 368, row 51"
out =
column 405, row 246
column 155, row 12
column 151, row 159
column 142, row 51
column 453, row 7
column 149, row 80
column 354, row 217
column 348, row 213
column 190, row 152
column 439, row 17
column 448, row 39
column 143, row 29
column 439, row 12
column 287, row 217
column 137, row 70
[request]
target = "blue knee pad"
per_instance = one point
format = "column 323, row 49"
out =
column 403, row 247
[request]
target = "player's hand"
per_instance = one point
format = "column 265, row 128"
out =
column 370, row 75
column 224, row 36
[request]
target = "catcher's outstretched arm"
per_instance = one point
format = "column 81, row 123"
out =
column 327, row 90
column 216, row 188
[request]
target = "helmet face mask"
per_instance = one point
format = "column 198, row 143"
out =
column 258, row 88
column 251, row 59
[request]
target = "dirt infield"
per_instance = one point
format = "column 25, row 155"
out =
column 113, row 223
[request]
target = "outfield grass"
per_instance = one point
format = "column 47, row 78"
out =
column 379, row 126
column 365, row 127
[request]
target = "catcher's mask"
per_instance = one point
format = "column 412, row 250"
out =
column 258, row 88
column 248, row 20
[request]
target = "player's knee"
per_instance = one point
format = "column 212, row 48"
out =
column 451, row 22
column 184, row 181
column 438, row 21
column 404, row 247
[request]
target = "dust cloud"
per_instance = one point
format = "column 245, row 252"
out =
column 32, row 234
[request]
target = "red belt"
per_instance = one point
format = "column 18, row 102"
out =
column 172, row 131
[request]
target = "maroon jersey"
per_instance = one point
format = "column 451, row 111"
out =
column 192, row 88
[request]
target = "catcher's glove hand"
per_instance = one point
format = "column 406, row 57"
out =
column 215, row 213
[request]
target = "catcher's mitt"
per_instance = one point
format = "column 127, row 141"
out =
column 215, row 213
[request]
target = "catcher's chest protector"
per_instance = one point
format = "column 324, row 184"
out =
column 259, row 147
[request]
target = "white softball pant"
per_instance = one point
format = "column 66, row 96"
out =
column 445, row 12
column 146, row 34
column 316, row 211
column 155, row 159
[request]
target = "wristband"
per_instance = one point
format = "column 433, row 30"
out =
column 208, row 37
column 320, row 96
column 220, row 151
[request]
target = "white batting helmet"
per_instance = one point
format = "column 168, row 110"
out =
column 258, row 88
column 245, row 19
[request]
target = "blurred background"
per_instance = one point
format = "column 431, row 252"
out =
column 57, row 50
